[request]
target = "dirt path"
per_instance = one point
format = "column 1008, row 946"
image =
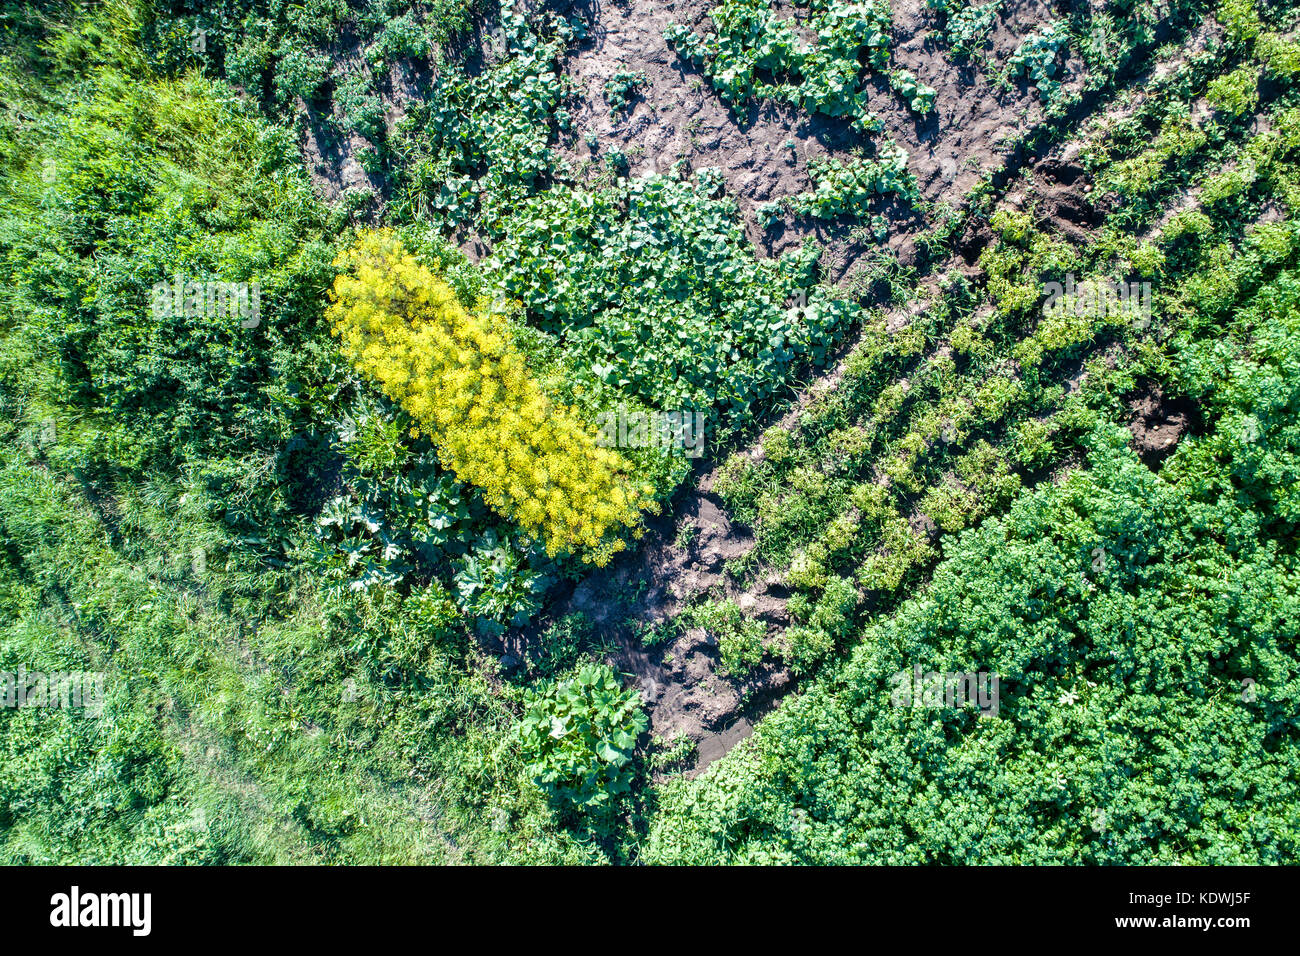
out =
column 683, row 693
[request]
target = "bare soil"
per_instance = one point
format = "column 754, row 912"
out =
column 1158, row 424
column 764, row 151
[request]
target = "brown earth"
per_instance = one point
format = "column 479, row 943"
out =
column 1158, row 424
column 678, row 116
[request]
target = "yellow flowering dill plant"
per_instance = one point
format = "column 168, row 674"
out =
column 458, row 374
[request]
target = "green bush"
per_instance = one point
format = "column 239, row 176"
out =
column 1236, row 93
column 302, row 73
column 578, row 738
column 739, row 639
column 362, row 110
column 851, row 186
column 1037, row 58
column 969, row 25
column 751, row 41
column 622, row 88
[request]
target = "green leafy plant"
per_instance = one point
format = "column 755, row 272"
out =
column 1037, row 58
column 920, row 97
column 362, row 110
column 739, row 639
column 717, row 334
column 754, row 52
column 622, row 87
column 851, row 186
column 1236, row 93
column 579, row 737
column 302, row 73
column 969, row 25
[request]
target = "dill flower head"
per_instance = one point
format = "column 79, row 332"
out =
column 458, row 375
